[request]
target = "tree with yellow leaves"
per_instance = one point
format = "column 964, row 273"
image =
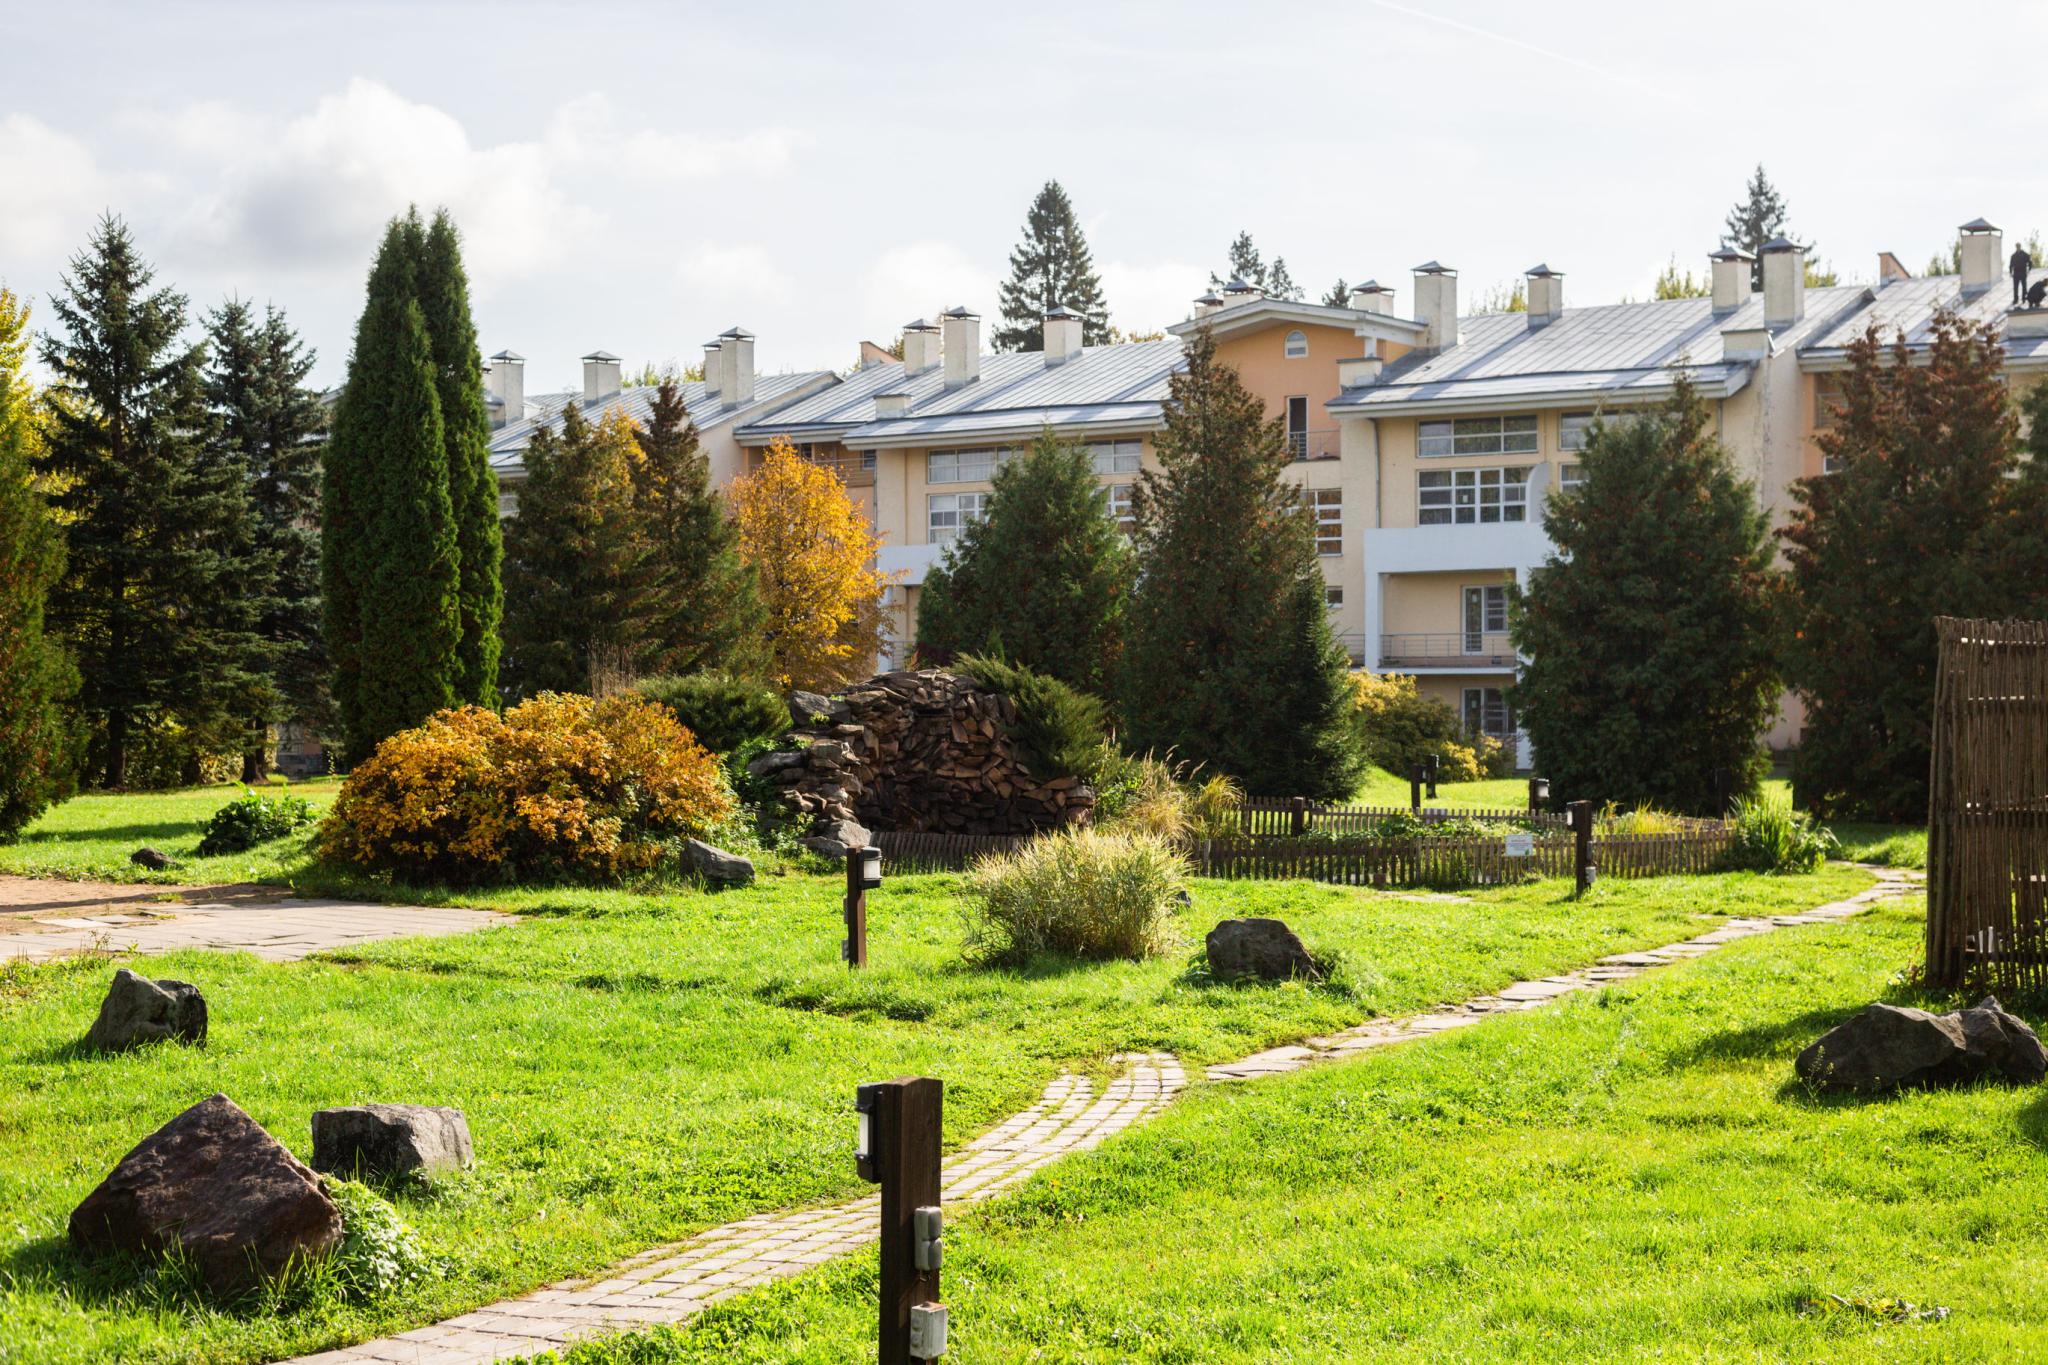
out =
column 814, row 556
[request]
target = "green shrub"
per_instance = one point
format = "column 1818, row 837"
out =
column 379, row 1254
column 722, row 711
column 1078, row 893
column 250, row 820
column 1770, row 836
column 1138, row 794
column 1059, row 729
column 1399, row 728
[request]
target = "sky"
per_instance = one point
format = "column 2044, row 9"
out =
column 639, row 177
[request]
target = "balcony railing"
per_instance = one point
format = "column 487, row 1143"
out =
column 1447, row 649
column 1318, row 443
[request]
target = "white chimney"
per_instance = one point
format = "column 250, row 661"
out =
column 1733, row 275
column 1784, row 282
column 600, row 376
column 1983, row 245
column 1237, row 291
column 714, row 366
column 891, row 404
column 961, row 346
column 1372, row 297
column 1062, row 335
column 1545, row 296
column 920, row 347
column 737, row 349
column 1358, row 372
column 1436, row 305
column 508, row 386
column 1208, row 303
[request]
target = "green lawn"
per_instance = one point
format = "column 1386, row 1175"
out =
column 637, row 1067
column 1382, row 788
column 1631, row 1176
column 90, row 837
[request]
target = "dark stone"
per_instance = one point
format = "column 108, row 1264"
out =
column 804, row 706
column 1264, row 948
column 138, row 1010
column 390, row 1139
column 834, row 837
column 716, row 865
column 1888, row 1047
column 214, row 1187
column 775, row 761
column 156, row 860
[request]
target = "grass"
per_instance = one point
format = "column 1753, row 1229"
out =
column 638, row 1066
column 90, row 837
column 1382, row 788
column 1630, row 1176
column 1884, row 845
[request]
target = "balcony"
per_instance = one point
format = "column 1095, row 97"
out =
column 1447, row 650
column 1315, row 444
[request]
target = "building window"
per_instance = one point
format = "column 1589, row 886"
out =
column 965, row 466
column 1120, row 509
column 1328, row 504
column 1468, row 497
column 1297, row 426
column 1478, row 436
column 1571, row 430
column 867, row 460
column 1333, row 598
column 1570, row 476
column 952, row 513
column 1486, row 613
column 1831, row 464
column 1297, row 345
column 1827, row 398
column 1486, row 712
column 1116, row 457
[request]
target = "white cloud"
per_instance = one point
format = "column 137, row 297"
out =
column 54, row 189
column 586, row 131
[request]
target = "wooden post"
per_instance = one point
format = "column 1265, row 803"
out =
column 855, row 949
column 1299, row 807
column 905, row 1136
column 1415, row 789
column 1581, row 815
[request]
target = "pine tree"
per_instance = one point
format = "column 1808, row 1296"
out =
column 1245, row 264
column 1905, row 530
column 34, row 673
column 571, row 561
column 1051, row 267
column 389, row 552
column 1339, row 295
column 1280, row 284
column 466, row 431
column 1651, row 665
column 1757, row 218
column 1229, row 660
column 150, row 602
column 699, row 608
column 1042, row 579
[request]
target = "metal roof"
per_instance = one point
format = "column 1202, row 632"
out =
column 508, row 443
column 1260, row 310
column 1910, row 306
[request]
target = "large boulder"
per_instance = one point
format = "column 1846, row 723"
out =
column 138, row 1010
column 390, row 1139
column 714, row 864
column 834, row 837
column 214, row 1187
column 1262, row 948
column 1889, row 1047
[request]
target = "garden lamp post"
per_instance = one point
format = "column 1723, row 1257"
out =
column 1579, row 814
column 900, row 1123
column 863, row 874
column 1539, row 794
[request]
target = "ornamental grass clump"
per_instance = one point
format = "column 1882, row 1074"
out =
column 559, row 788
column 1078, row 893
column 1770, row 836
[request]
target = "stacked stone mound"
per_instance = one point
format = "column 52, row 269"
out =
column 927, row 751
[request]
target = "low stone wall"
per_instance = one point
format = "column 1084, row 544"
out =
column 927, row 751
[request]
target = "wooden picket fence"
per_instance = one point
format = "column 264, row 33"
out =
column 1439, row 863
column 1262, row 818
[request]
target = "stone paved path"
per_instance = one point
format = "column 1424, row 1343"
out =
column 73, row 917
column 671, row 1284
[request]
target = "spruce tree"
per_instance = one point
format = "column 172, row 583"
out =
column 466, row 431
column 150, row 602
column 1044, row 577
column 1756, row 218
column 1280, row 284
column 390, row 557
column 698, row 607
column 1229, row 660
column 1245, row 264
column 1050, row 268
column 34, row 672
column 1339, row 295
column 1906, row 529
column 1651, row 661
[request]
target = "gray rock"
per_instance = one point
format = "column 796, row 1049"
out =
column 156, row 860
column 803, row 706
column 390, row 1139
column 775, row 761
column 834, row 837
column 1264, row 948
column 138, row 1010
column 1888, row 1047
column 716, row 865
column 214, row 1187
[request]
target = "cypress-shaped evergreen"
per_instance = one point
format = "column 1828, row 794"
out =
column 150, row 601
column 390, row 557
column 1229, row 660
column 1050, row 268
column 466, row 432
column 34, row 672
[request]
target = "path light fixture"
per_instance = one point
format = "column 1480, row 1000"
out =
column 1430, row 768
column 1539, row 794
column 900, row 1124
column 863, row 874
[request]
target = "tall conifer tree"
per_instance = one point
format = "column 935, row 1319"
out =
column 1050, row 268
column 1229, row 659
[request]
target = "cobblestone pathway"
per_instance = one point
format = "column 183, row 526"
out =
column 672, row 1283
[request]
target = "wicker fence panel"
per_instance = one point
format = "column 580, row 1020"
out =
column 903, row 852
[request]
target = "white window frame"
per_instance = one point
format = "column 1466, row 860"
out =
column 1466, row 497
column 1117, row 457
column 1513, row 434
column 967, row 464
column 1570, row 476
column 1121, row 509
column 1333, row 597
column 1328, row 506
column 1492, row 614
column 962, row 509
column 1572, row 428
column 1296, row 345
column 1490, row 706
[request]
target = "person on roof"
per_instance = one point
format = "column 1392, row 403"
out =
column 2020, row 264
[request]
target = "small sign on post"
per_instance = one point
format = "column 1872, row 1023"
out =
column 1521, row 845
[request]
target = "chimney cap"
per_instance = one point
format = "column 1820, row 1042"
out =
column 1730, row 253
column 1543, row 272
column 1978, row 225
column 1060, row 310
column 1781, row 244
column 961, row 311
column 1434, row 268
column 510, row 357
column 1210, row 297
column 735, row 333
column 601, row 355
column 920, row 325
column 1238, row 286
column 1372, row 287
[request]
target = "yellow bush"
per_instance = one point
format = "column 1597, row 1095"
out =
column 1400, row 728
column 560, row 786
